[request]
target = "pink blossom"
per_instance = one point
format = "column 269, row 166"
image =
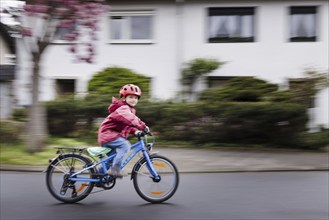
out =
column 40, row 8
column 28, row 8
column 61, row 11
column 66, row 23
column 70, row 37
column 71, row 14
column 26, row 32
column 73, row 49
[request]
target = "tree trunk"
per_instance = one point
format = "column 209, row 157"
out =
column 36, row 130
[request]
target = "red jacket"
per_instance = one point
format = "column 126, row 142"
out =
column 121, row 121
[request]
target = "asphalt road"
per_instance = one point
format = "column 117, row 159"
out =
column 215, row 196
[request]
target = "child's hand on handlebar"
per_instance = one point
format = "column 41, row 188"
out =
column 138, row 133
column 147, row 130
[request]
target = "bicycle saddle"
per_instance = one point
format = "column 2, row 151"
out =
column 96, row 151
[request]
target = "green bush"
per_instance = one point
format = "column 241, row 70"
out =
column 20, row 114
column 110, row 80
column 316, row 140
column 70, row 117
column 235, row 122
column 62, row 116
column 236, row 113
column 240, row 89
column 11, row 131
column 200, row 122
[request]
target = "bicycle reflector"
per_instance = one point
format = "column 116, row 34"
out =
column 157, row 193
column 162, row 165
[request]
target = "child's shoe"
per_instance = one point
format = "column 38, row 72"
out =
column 119, row 174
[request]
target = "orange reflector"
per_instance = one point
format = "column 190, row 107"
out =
column 157, row 193
column 159, row 165
column 83, row 185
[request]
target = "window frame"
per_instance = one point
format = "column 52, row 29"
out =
column 62, row 41
column 127, row 27
column 303, row 10
column 240, row 12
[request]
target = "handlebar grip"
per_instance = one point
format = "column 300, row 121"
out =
column 140, row 134
column 143, row 133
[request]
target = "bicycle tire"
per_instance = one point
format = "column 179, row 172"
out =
column 153, row 191
column 63, row 189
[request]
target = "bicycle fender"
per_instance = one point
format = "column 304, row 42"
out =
column 59, row 157
column 138, row 163
column 51, row 161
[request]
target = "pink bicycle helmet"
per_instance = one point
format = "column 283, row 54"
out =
column 130, row 89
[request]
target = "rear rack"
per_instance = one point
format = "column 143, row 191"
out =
column 62, row 150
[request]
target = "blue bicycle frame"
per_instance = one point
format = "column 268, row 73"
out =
column 137, row 147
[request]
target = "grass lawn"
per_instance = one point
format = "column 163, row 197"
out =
column 16, row 154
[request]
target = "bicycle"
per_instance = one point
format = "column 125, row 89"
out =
column 72, row 175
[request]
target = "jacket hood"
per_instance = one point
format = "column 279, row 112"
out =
column 116, row 103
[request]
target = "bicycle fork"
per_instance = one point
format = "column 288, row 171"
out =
column 155, row 176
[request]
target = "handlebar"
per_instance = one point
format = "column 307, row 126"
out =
column 143, row 133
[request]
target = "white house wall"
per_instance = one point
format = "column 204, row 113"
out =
column 180, row 34
column 271, row 57
column 155, row 60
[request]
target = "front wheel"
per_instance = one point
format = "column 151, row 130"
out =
column 156, row 190
column 58, row 182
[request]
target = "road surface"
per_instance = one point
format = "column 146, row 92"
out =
column 216, row 196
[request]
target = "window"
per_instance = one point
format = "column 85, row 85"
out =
column 303, row 24
column 61, row 33
column 65, row 86
column 131, row 27
column 231, row 25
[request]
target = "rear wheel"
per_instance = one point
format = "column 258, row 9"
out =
column 58, row 182
column 156, row 190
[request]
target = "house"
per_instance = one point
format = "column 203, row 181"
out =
column 273, row 40
column 7, row 71
column 8, row 56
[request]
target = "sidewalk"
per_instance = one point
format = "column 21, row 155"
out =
column 189, row 160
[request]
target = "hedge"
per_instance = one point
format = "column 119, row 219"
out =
column 260, row 122
column 240, row 89
column 200, row 122
column 11, row 131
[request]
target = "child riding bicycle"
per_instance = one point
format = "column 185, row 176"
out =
column 121, row 121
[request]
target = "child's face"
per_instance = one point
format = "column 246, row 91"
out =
column 132, row 100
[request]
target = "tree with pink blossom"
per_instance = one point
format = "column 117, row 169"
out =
column 41, row 21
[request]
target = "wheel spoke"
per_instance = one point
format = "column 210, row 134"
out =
column 150, row 189
column 60, row 169
column 144, row 174
column 57, row 178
